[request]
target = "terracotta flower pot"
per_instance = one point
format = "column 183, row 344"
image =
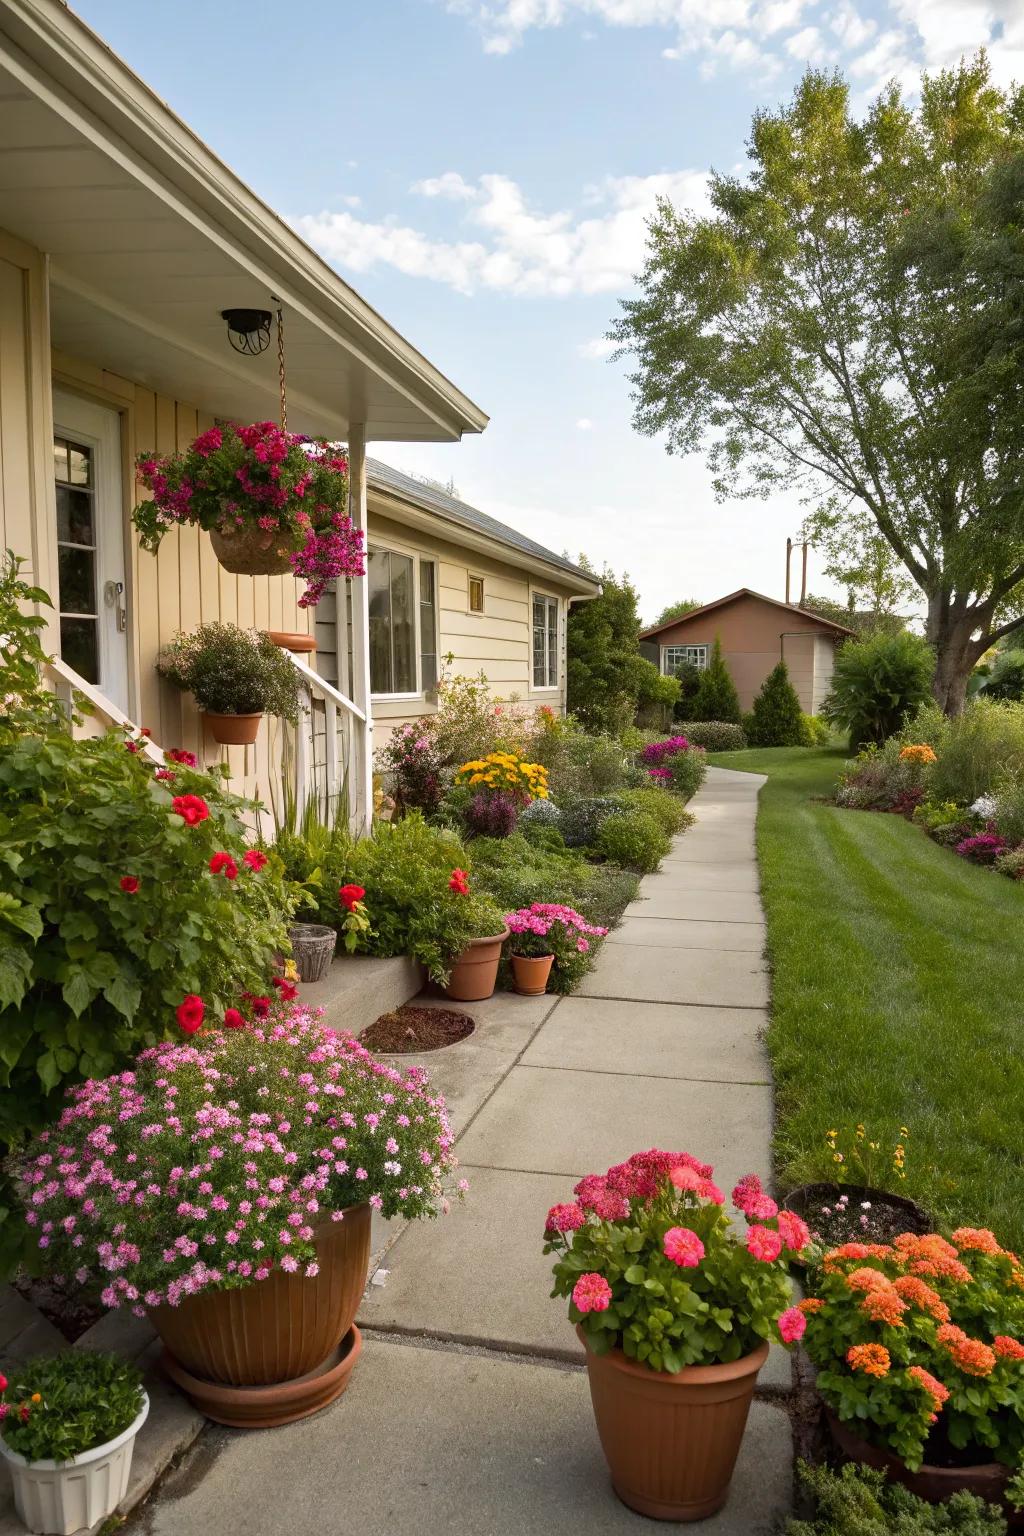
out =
column 267, row 1334
column 531, row 972
column 475, row 972
column 671, row 1442
column 232, row 730
column 987, row 1480
column 252, row 551
column 287, row 640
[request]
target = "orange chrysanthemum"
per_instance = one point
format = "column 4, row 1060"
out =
column 976, row 1240
column 942, row 1269
column 884, row 1306
column 835, row 1256
column 928, row 1245
column 872, row 1359
column 867, row 1280
column 811, row 1304
column 949, row 1333
column 937, row 1393
column 969, row 1355
column 1009, row 1349
column 921, row 1296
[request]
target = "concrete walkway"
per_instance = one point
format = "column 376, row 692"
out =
column 470, row 1411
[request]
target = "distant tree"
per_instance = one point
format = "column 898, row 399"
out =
column 607, row 678
column 878, row 683
column 776, row 719
column 847, row 320
column 688, row 677
column 862, row 621
column 675, row 610
column 716, row 697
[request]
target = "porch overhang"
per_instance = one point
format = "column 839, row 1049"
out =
column 149, row 236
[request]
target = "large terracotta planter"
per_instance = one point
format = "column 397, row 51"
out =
column 266, row 1335
column 475, row 972
column 252, row 551
column 530, row 973
column 987, row 1480
column 232, row 730
column 671, row 1442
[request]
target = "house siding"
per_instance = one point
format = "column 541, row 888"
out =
column 27, row 498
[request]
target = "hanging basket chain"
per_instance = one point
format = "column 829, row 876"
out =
column 280, row 368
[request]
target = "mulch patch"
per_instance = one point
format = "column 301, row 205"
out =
column 411, row 1029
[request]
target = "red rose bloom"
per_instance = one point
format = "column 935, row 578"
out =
column 190, row 1014
column 224, row 864
column 261, row 1007
column 255, row 859
column 163, row 773
column 191, row 808
column 132, row 746
column 129, row 884
column 350, row 894
column 286, row 990
column 233, row 1019
column 179, row 755
column 459, row 882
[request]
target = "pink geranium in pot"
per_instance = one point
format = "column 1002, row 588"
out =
column 544, row 935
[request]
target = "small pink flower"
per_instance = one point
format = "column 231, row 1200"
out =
column 592, row 1293
column 792, row 1324
column 683, row 1247
column 764, row 1243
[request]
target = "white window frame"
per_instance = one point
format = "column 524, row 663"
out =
column 699, row 660
column 551, row 597
column 472, row 576
column 410, row 552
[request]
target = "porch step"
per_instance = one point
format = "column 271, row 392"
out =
column 359, row 988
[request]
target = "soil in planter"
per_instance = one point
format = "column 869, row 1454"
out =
column 832, row 1223
column 71, row 1311
column 412, row 1029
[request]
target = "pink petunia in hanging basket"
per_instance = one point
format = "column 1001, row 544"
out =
column 272, row 501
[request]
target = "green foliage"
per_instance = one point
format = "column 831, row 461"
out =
column 656, row 695
column 582, row 819
column 633, row 840
column 858, row 1501
column 232, row 671
column 776, row 719
column 578, row 762
column 604, row 674
column 847, row 319
column 1006, row 677
column 1009, row 812
column 688, row 676
column 24, row 701
column 716, row 697
column 86, row 1400
column 976, row 750
column 814, row 731
column 405, row 868
column 688, row 770
column 878, row 683
column 676, row 610
column 863, row 621
column 715, row 735
column 664, row 807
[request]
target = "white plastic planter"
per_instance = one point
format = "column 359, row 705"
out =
column 59, row 1497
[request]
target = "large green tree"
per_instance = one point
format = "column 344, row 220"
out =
column 849, row 319
column 607, row 679
column 676, row 610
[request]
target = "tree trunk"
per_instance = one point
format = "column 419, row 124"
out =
column 950, row 630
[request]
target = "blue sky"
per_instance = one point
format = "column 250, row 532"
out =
column 480, row 171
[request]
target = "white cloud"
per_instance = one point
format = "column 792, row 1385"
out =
column 597, row 348
column 449, row 185
column 514, row 247
column 584, row 424
column 809, row 46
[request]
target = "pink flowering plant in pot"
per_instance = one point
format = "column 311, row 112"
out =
column 551, row 929
column 271, row 500
column 676, row 1309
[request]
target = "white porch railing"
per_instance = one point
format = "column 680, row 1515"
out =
column 330, row 752
column 66, row 682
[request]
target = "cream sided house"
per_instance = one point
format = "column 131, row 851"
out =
column 756, row 632
column 122, row 240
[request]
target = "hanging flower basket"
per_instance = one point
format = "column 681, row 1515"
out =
column 272, row 502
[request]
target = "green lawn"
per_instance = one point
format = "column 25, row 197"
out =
column 898, row 993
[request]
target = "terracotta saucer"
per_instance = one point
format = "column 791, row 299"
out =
column 266, row 1407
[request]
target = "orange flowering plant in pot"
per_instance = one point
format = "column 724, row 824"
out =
column 919, row 1345
column 676, row 1310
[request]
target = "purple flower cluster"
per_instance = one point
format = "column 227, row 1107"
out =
column 327, row 555
column 215, row 1160
column 983, row 849
column 655, row 754
column 493, row 813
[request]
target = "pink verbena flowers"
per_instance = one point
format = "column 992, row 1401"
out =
column 651, row 1265
column 216, row 1160
column 550, row 928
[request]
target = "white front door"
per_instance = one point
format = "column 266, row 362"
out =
column 92, row 598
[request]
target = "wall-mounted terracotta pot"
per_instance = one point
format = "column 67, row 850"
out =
column 671, row 1442
column 232, row 730
column 298, row 644
column 475, row 972
column 530, row 973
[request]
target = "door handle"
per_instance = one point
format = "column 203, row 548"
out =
column 113, row 591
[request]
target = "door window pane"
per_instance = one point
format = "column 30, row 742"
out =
column 75, row 568
column 79, row 647
column 74, row 516
column 73, row 468
column 392, row 622
column 428, row 626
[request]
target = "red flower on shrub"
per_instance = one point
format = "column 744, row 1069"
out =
column 163, row 773
column 287, row 991
column 179, row 755
column 348, row 895
column 133, row 746
column 459, row 882
column 261, row 1007
column 255, row 859
column 129, row 884
column 233, row 1019
column 191, row 808
column 190, row 1014
column 224, row 864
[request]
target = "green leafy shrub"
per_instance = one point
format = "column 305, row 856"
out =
column 582, row 819
column 516, row 871
column 578, row 762
column 406, row 869
column 879, row 779
column 538, row 814
column 61, row 1405
column 1011, row 863
column 687, row 771
column 776, row 719
column 716, row 697
column 858, row 1501
column 976, row 749
column 716, row 735
column 633, row 840
column 814, row 731
column 666, row 808
column 1009, row 808
column 232, row 671
column 878, row 684
column 1006, row 677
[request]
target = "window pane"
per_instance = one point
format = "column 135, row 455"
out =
column 476, row 594
column 378, row 578
column 403, row 625
column 60, row 459
column 552, row 643
column 79, row 647
column 75, row 577
column 79, row 462
column 428, row 627
column 74, row 516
